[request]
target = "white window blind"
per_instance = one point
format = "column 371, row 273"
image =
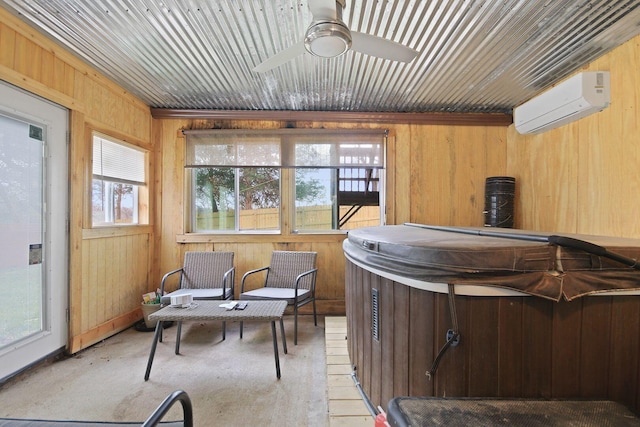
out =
column 287, row 148
column 116, row 162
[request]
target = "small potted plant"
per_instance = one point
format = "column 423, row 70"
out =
column 150, row 304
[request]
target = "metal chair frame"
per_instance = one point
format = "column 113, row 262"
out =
column 296, row 302
column 228, row 282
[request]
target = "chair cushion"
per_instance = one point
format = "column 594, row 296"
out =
column 287, row 294
column 198, row 294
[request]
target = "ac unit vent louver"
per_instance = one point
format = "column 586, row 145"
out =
column 581, row 95
column 375, row 317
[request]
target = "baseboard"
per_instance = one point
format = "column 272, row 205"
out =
column 325, row 307
column 105, row 330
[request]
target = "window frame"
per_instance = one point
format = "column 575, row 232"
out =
column 287, row 181
column 190, row 203
column 141, row 193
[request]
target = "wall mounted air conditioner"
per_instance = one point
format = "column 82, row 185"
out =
column 583, row 94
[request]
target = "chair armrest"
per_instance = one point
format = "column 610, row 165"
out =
column 165, row 277
column 257, row 270
column 167, row 403
column 313, row 280
column 230, row 273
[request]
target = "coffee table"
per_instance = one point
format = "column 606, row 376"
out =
column 210, row 310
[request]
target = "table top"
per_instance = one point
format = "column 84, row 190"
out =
column 211, row 310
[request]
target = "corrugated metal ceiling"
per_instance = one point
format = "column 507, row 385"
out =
column 474, row 55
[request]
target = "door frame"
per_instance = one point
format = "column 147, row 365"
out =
column 53, row 338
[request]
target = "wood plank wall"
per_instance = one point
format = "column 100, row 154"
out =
column 523, row 347
column 109, row 269
column 580, row 179
column 435, row 175
column 583, row 177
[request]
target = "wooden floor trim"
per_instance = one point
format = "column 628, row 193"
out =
column 346, row 407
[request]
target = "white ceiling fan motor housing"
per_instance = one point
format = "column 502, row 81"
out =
column 327, row 39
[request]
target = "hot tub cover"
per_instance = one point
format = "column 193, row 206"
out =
column 533, row 267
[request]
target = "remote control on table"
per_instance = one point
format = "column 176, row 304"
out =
column 241, row 305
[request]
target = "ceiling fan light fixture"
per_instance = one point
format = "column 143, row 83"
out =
column 327, row 39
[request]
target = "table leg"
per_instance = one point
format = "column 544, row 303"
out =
column 275, row 347
column 178, row 333
column 154, row 344
column 284, row 338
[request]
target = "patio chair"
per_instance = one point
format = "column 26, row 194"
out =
column 204, row 275
column 154, row 419
column 291, row 276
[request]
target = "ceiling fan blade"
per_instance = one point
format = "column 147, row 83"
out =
column 380, row 47
column 323, row 9
column 281, row 57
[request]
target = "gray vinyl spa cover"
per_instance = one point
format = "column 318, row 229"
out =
column 519, row 260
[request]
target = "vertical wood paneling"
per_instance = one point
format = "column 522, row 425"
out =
column 608, row 159
column 365, row 369
column 482, row 354
column 115, row 275
column 387, row 340
column 518, row 347
column 449, row 166
column 401, row 323
column 595, row 346
column 7, row 46
column 417, row 158
column 452, row 376
column 376, row 345
column 349, row 300
column 565, row 348
column 510, row 332
column 421, row 350
column 579, row 178
column 536, row 357
column 80, row 317
column 624, row 348
column 93, row 281
column 360, row 329
column 105, row 286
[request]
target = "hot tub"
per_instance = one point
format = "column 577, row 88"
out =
column 535, row 320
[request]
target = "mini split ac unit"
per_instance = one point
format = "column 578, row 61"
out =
column 583, row 94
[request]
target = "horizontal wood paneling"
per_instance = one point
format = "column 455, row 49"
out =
column 523, row 347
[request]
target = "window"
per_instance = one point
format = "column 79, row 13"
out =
column 243, row 180
column 236, row 199
column 118, row 176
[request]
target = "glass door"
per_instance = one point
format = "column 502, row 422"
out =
column 33, row 215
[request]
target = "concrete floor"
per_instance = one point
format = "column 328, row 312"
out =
column 230, row 383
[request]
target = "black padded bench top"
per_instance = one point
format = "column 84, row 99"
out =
column 434, row 411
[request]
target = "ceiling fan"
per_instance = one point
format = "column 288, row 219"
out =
column 328, row 37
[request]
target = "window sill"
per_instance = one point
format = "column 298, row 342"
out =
column 115, row 231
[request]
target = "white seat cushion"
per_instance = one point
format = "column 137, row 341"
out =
column 287, row 294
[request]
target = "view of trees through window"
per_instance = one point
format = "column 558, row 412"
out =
column 118, row 173
column 113, row 203
column 243, row 180
column 241, row 199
